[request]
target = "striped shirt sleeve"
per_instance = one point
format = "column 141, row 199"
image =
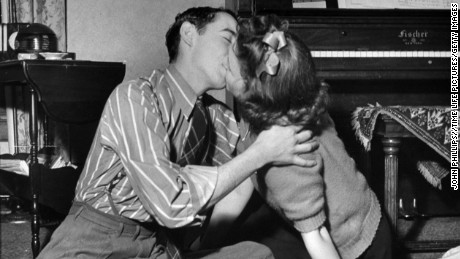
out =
column 133, row 128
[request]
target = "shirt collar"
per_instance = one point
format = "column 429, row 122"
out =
column 181, row 90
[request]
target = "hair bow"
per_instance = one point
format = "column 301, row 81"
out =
column 275, row 41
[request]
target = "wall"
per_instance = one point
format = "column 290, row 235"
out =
column 130, row 31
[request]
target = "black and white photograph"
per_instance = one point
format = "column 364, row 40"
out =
column 229, row 129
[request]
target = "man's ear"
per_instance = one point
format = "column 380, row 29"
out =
column 187, row 32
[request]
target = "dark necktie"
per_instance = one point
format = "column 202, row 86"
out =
column 194, row 151
column 196, row 145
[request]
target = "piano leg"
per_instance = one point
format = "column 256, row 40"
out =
column 391, row 150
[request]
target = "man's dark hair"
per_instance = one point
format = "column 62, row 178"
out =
column 198, row 16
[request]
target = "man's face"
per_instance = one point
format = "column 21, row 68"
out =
column 211, row 50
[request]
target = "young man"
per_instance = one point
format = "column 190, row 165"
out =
column 140, row 177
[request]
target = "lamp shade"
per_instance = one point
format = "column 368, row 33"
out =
column 35, row 38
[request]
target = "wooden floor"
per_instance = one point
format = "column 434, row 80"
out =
column 434, row 229
column 15, row 235
column 15, row 241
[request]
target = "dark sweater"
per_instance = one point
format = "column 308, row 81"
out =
column 332, row 193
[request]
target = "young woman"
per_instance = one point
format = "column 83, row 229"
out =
column 331, row 204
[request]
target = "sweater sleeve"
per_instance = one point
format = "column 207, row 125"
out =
column 297, row 193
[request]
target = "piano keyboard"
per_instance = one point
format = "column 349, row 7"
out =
column 379, row 54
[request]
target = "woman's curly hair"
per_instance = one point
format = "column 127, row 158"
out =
column 292, row 96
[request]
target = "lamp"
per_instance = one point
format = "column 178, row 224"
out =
column 36, row 38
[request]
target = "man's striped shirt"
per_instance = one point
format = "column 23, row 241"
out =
column 140, row 138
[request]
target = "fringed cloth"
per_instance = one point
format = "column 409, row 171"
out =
column 430, row 124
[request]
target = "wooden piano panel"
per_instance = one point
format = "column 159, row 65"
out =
column 370, row 29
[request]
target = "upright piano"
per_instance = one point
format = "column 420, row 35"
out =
column 377, row 50
column 389, row 57
column 371, row 56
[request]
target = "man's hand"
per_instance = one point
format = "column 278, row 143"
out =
column 282, row 145
column 279, row 145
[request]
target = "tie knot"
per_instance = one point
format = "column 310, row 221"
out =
column 199, row 110
column 199, row 102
